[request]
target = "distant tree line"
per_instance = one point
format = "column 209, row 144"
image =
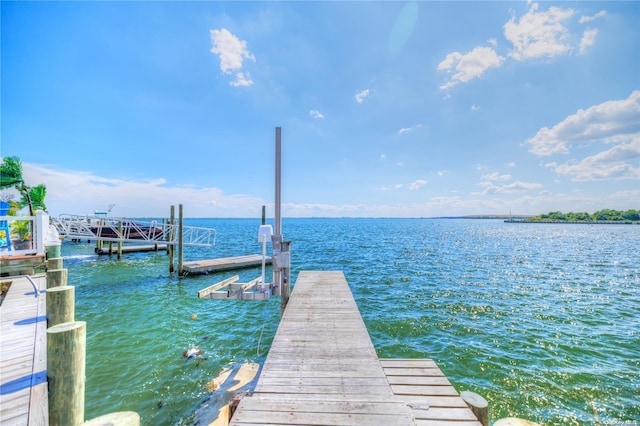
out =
column 607, row 215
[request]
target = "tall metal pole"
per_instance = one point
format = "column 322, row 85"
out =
column 278, row 230
column 276, row 240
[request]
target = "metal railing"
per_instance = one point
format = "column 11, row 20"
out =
column 119, row 229
column 37, row 227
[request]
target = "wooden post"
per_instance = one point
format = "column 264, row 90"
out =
column 264, row 215
column 478, row 405
column 66, row 352
column 54, row 263
column 99, row 241
column 56, row 277
column 119, row 242
column 171, row 246
column 180, row 240
column 120, row 418
column 60, row 305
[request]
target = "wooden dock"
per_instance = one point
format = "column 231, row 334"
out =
column 322, row 369
column 425, row 388
column 223, row 264
column 23, row 352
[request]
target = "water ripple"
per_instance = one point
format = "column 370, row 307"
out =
column 542, row 320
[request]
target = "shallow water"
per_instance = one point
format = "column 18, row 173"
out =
column 540, row 319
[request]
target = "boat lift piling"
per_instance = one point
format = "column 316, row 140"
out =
column 180, row 241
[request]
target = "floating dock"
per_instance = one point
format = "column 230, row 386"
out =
column 223, row 264
column 23, row 352
column 323, row 369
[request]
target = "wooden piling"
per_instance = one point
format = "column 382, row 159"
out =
column 180, row 240
column 60, row 305
column 478, row 405
column 56, row 278
column 54, row 263
column 120, row 242
column 66, row 353
column 170, row 245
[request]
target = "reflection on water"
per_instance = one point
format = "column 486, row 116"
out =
column 540, row 319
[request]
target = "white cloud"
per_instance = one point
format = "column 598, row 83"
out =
column 232, row 52
column 490, row 188
column 615, row 163
column 539, row 34
column 584, row 19
column 588, row 40
column 78, row 192
column 608, row 122
column 417, row 184
column 314, row 113
column 242, row 80
column 496, row 176
column 475, row 107
column 469, row 66
column 408, row 129
column 383, row 156
column 361, row 96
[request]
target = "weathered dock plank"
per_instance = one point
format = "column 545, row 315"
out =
column 322, row 369
column 422, row 385
column 333, row 376
column 223, row 264
column 23, row 360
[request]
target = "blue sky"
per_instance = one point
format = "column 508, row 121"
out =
column 399, row 109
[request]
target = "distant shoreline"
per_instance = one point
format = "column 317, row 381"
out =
column 576, row 222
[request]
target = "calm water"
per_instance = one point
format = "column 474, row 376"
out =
column 542, row 320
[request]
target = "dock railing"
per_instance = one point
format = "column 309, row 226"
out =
column 120, row 229
column 34, row 239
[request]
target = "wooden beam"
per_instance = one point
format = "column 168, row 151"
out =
column 206, row 291
column 251, row 284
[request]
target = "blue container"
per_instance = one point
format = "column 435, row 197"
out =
column 5, row 234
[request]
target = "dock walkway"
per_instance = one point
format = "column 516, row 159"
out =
column 23, row 352
column 322, row 369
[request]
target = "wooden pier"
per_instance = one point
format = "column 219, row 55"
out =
column 223, row 264
column 322, row 369
column 23, row 353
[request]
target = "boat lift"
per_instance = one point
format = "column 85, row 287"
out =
column 123, row 230
column 258, row 289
